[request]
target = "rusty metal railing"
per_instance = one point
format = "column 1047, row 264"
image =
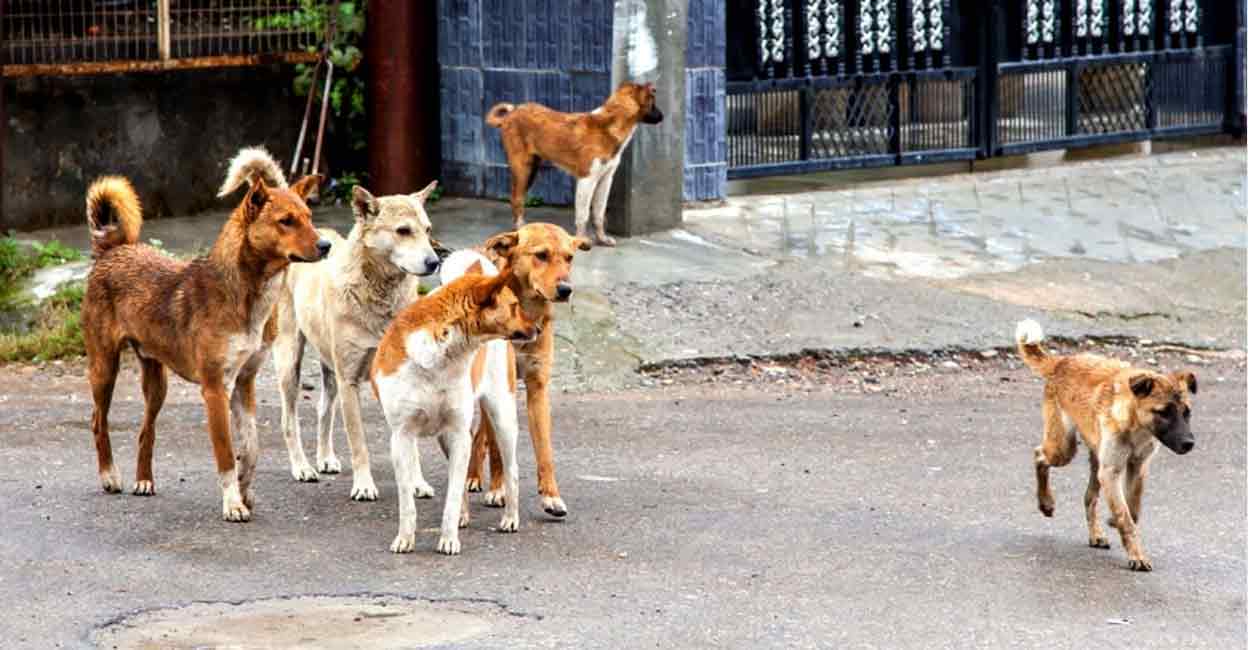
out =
column 72, row 37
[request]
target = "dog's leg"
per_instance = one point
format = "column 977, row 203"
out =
column 523, row 173
column 500, row 410
column 600, row 206
column 1096, row 534
column 288, row 361
column 455, row 511
column 155, row 385
column 402, row 450
column 362, row 486
column 1056, row 450
column 217, row 405
column 536, row 377
column 584, row 201
column 1137, row 471
column 476, row 460
column 1113, row 470
column 243, row 424
column 326, row 413
column 103, row 376
column 488, row 444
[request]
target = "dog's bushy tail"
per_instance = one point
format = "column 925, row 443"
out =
column 1028, row 335
column 497, row 114
column 114, row 214
column 248, row 163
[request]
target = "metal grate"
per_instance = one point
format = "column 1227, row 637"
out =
column 1113, row 98
column 851, row 121
column 764, row 127
column 1190, row 93
column 40, row 32
column 936, row 114
column 91, row 36
column 1033, row 106
column 234, row 27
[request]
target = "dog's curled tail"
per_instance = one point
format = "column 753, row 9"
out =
column 1029, row 336
column 497, row 114
column 113, row 213
column 248, row 163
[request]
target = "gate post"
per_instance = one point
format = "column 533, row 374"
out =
column 649, row 46
column 1239, row 51
column 990, row 27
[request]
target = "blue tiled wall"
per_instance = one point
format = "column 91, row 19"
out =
column 558, row 53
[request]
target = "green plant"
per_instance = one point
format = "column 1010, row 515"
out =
column 533, row 201
column 57, row 331
column 19, row 261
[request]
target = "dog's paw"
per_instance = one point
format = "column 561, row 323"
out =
column 464, row 518
column 1140, row 564
column 143, row 488
column 363, row 489
column 249, row 498
column 473, row 484
column 554, row 507
column 510, row 523
column 604, row 240
column 1098, row 541
column 403, row 543
column 329, row 465
column 494, row 498
column 304, row 473
column 110, row 481
column 424, row 490
column 235, row 511
column 449, row 544
column 1046, row 506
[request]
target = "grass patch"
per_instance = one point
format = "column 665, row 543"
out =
column 19, row 261
column 57, row 330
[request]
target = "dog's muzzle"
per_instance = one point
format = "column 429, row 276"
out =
column 653, row 116
column 563, row 291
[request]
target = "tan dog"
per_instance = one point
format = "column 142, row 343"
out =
column 540, row 256
column 585, row 145
column 342, row 306
column 208, row 319
column 1122, row 413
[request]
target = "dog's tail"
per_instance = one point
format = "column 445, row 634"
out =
column 1029, row 337
column 113, row 213
column 497, row 114
column 248, row 163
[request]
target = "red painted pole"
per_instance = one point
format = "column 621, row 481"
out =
column 401, row 56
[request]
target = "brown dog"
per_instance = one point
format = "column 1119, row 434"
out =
column 205, row 319
column 585, row 145
column 1122, row 413
column 540, row 256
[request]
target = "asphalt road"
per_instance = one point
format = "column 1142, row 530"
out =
column 877, row 506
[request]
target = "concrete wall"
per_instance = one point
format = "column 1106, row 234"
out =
column 170, row 133
column 558, row 53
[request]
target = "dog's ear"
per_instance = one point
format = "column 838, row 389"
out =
column 581, row 244
column 363, row 204
column 474, row 269
column 306, row 185
column 1141, row 385
column 484, row 293
column 257, row 196
column 500, row 247
column 1186, row 379
column 423, row 195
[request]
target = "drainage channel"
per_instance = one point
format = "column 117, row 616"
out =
column 306, row 622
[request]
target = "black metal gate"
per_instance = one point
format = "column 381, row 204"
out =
column 829, row 84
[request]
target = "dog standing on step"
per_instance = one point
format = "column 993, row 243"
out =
column 1122, row 413
column 342, row 306
column 424, row 376
column 586, row 145
column 208, row 320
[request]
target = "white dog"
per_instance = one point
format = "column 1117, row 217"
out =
column 342, row 306
column 430, row 366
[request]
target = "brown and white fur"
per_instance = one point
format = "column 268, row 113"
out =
column 540, row 255
column 342, row 306
column 208, row 319
column 423, row 376
column 586, row 145
column 1122, row 413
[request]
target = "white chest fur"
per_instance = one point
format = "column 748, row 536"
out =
column 431, row 391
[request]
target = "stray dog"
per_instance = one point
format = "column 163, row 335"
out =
column 540, row 255
column 423, row 376
column 1122, row 413
column 208, row 319
column 342, row 306
column 586, row 145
